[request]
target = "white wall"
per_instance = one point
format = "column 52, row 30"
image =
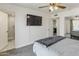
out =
column 67, row 26
column 25, row 35
column 62, row 16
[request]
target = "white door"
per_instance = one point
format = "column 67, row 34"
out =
column 3, row 30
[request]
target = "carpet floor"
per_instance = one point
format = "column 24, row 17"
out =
column 24, row 51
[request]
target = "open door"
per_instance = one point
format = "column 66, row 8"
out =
column 3, row 30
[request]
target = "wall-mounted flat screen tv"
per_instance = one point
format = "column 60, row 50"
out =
column 33, row 20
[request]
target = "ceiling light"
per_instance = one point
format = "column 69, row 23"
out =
column 56, row 7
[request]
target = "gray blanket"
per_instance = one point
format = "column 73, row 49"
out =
column 51, row 40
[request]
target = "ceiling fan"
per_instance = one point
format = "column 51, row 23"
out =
column 54, row 6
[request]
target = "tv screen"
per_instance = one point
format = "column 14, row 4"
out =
column 33, row 20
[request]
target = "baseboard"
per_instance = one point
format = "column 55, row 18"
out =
column 23, row 45
column 8, row 50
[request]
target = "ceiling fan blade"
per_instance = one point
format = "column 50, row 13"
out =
column 42, row 6
column 61, row 6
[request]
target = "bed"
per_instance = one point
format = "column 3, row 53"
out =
column 75, row 34
column 65, row 47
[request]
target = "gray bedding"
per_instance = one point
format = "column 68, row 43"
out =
column 51, row 40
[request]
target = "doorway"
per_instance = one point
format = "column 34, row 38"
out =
column 71, row 26
column 55, row 26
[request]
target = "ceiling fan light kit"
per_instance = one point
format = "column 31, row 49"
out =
column 51, row 8
column 55, row 8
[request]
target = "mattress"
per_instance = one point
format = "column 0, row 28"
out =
column 66, row 47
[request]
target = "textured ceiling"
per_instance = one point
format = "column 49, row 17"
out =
column 46, row 10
